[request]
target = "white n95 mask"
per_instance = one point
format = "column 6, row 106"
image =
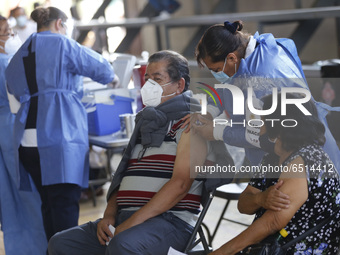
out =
column 21, row 21
column 152, row 93
column 12, row 45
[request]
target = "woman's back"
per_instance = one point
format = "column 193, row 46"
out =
column 46, row 76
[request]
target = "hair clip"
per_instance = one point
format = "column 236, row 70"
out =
column 232, row 27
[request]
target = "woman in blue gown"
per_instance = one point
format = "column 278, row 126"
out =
column 51, row 132
column 261, row 62
column 20, row 215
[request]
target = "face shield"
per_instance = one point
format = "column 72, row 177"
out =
column 69, row 27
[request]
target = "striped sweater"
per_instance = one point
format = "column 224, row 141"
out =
column 147, row 174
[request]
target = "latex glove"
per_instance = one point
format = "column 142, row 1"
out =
column 203, row 126
column 188, row 119
column 115, row 83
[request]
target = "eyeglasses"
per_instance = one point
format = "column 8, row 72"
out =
column 8, row 34
column 63, row 25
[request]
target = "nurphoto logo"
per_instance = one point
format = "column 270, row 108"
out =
column 239, row 104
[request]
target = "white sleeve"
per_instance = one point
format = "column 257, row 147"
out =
column 213, row 110
column 14, row 104
column 219, row 129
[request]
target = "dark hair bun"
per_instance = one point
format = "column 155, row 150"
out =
column 40, row 15
column 233, row 27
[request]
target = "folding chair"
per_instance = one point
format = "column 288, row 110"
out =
column 231, row 191
column 198, row 244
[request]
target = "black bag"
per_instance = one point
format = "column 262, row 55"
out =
column 269, row 246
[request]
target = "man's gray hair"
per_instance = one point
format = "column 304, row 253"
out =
column 178, row 66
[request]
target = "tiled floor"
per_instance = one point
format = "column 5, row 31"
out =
column 226, row 231
column 2, row 249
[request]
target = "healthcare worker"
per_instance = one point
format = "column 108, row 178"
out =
column 51, row 132
column 24, row 26
column 261, row 62
column 20, row 214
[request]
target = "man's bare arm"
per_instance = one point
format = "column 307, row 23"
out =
column 177, row 187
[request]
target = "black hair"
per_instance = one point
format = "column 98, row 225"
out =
column 330, row 73
column 308, row 129
column 220, row 40
column 16, row 9
column 44, row 16
column 178, row 66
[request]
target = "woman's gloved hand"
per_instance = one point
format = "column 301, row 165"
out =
column 115, row 83
column 203, row 126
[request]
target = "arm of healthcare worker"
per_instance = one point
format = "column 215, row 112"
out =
column 179, row 184
column 220, row 129
column 109, row 218
column 220, row 124
column 271, row 221
column 86, row 62
column 115, row 83
column 252, row 199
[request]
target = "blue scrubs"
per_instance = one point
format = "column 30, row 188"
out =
column 61, row 124
column 273, row 63
column 20, row 214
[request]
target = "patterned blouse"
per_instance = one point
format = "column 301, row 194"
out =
column 323, row 201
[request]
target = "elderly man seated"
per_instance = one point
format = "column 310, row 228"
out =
column 153, row 199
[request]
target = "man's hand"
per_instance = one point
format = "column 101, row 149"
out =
column 129, row 223
column 273, row 199
column 109, row 218
column 103, row 231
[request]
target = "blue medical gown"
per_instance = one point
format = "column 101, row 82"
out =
column 62, row 132
column 20, row 213
column 273, row 63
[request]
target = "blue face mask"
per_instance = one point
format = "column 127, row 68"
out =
column 221, row 76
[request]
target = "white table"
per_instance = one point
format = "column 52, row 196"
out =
column 113, row 143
